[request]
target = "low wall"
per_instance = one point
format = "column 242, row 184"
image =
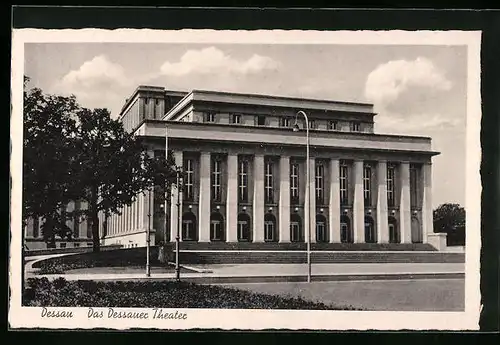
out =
column 49, row 251
column 131, row 240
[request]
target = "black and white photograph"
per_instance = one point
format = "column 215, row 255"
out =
column 248, row 180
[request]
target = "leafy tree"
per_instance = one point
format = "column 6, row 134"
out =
column 76, row 154
column 113, row 166
column 48, row 156
column 450, row 218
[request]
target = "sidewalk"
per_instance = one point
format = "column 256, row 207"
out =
column 285, row 273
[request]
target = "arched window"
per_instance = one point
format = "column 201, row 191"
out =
column 216, row 227
column 243, row 227
column 370, row 235
column 321, row 229
column 270, row 228
column 345, row 230
column 189, row 227
column 393, row 230
column 295, row 228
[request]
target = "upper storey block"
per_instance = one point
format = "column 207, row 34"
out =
column 150, row 102
column 271, row 111
column 147, row 102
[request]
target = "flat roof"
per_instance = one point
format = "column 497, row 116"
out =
column 270, row 100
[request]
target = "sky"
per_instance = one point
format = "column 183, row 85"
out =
column 415, row 89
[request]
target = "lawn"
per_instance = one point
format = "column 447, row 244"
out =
column 400, row 295
column 155, row 294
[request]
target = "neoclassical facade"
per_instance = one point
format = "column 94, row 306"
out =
column 244, row 172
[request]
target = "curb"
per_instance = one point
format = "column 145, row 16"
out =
column 281, row 279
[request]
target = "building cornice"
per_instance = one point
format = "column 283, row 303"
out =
column 250, row 135
column 161, row 139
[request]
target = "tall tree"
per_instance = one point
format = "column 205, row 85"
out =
column 113, row 166
column 450, row 218
column 48, row 156
column 76, row 154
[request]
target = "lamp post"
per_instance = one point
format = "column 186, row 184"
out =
column 167, row 196
column 307, row 212
column 177, row 236
column 148, row 236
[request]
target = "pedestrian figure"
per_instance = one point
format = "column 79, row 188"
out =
column 161, row 252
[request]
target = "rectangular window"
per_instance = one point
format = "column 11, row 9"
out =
column 333, row 125
column 355, row 126
column 294, row 182
column 189, row 179
column 261, row 120
column 413, row 186
column 243, row 181
column 62, row 245
column 312, row 124
column 320, row 172
column 343, row 184
column 210, row 117
column 236, row 118
column 367, row 173
column 268, row 183
column 76, row 245
column 285, row 122
column 216, row 180
column 390, row 186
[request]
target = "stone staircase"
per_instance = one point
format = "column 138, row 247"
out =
column 292, row 257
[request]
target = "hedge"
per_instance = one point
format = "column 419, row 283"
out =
column 113, row 258
column 41, row 292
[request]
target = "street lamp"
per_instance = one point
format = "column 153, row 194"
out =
column 178, row 230
column 177, row 236
column 148, row 234
column 307, row 212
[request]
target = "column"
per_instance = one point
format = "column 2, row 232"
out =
column 404, row 203
column 312, row 199
column 427, row 213
column 136, row 213
column 83, row 224
column 382, row 210
column 30, row 223
column 284, row 214
column 358, row 203
column 70, row 223
column 204, row 198
column 232, row 199
column 334, row 204
column 258, row 199
column 176, row 197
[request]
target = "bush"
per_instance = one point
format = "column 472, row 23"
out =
column 150, row 294
column 113, row 258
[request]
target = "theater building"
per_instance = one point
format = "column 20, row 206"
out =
column 244, row 172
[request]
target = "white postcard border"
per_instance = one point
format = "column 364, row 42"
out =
column 30, row 317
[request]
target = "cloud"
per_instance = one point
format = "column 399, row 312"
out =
column 97, row 83
column 213, row 60
column 411, row 97
column 386, row 83
column 423, row 123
